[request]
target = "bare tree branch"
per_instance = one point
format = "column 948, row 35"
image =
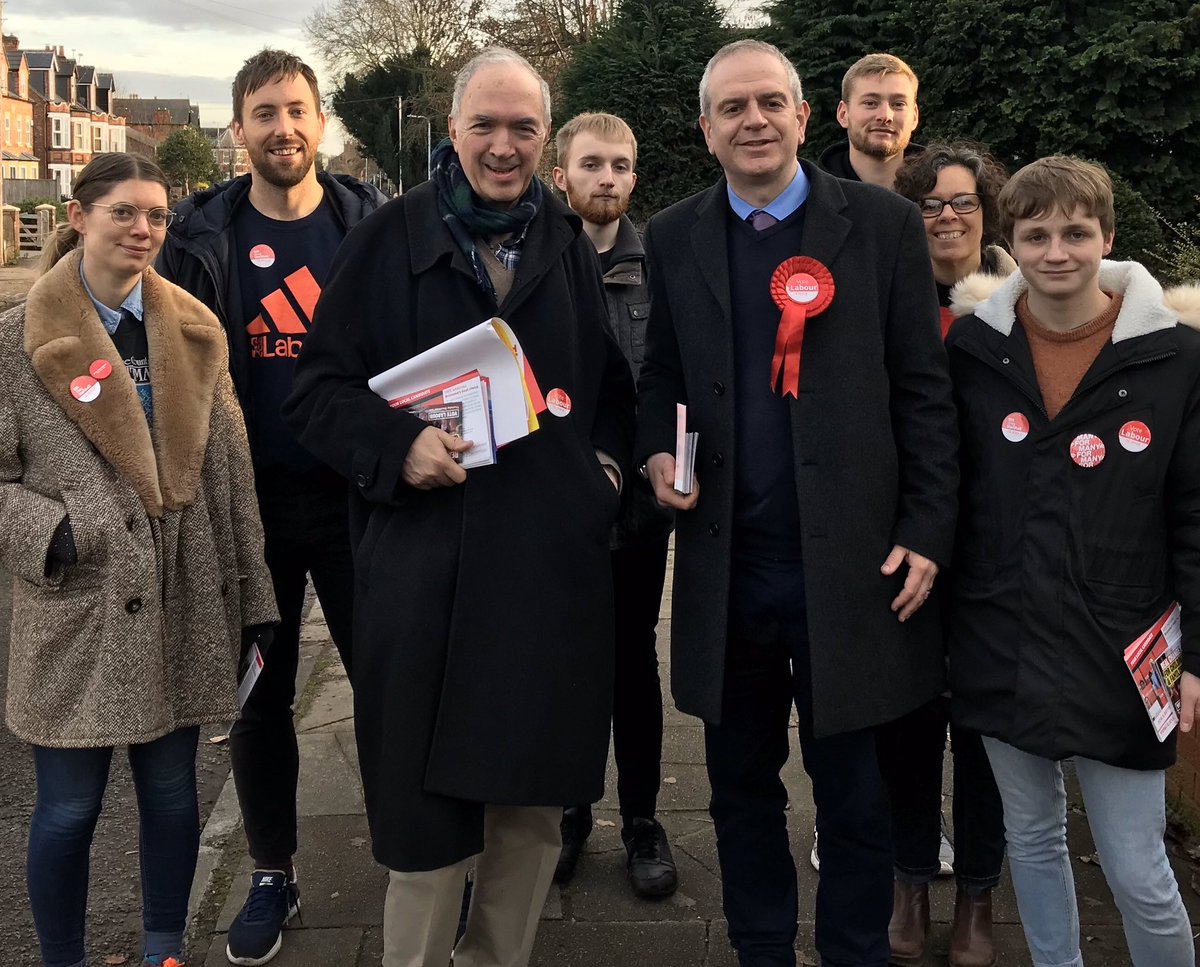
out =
column 354, row 35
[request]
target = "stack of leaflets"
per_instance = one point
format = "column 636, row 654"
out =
column 461, row 407
column 685, row 451
column 478, row 385
column 1155, row 660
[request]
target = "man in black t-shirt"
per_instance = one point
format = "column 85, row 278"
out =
column 257, row 251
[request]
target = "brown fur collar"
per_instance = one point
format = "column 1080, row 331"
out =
column 188, row 355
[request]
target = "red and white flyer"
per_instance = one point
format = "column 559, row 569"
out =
column 1155, row 660
column 470, row 392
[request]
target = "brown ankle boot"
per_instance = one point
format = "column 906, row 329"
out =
column 909, row 924
column 971, row 942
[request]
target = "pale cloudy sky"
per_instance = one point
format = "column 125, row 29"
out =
column 167, row 48
column 176, row 48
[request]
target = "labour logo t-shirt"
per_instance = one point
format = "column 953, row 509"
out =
column 282, row 268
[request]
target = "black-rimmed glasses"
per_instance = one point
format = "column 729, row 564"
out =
column 125, row 215
column 960, row 204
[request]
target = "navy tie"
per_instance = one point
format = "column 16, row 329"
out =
column 760, row 219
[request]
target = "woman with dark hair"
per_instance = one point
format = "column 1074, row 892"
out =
column 955, row 186
column 131, row 531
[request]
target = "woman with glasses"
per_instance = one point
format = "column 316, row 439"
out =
column 955, row 186
column 131, row 531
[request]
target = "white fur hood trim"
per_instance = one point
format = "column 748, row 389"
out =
column 1145, row 308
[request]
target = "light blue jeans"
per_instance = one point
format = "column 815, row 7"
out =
column 1127, row 814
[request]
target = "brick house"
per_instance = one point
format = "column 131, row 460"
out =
column 157, row 117
column 16, row 108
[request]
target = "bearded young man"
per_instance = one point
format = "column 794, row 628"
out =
column 879, row 111
column 597, row 154
column 257, row 250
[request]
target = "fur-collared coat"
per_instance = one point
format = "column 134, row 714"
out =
column 141, row 636
column 1061, row 560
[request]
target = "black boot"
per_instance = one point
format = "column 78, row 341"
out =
column 576, row 827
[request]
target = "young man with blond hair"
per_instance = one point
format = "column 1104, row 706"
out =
column 597, row 155
column 1079, row 398
column 879, row 111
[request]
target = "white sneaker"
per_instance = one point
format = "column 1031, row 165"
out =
column 945, row 853
column 813, row 857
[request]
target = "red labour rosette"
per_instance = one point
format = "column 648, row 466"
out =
column 802, row 287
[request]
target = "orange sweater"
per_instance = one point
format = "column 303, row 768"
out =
column 1061, row 359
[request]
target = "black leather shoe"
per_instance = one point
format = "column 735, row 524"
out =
column 650, row 864
column 576, row 827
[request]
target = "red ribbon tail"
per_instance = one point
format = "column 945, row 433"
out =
column 785, row 364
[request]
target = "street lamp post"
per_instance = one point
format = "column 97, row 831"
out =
column 428, row 142
column 399, row 145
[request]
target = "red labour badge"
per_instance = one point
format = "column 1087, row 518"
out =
column 801, row 287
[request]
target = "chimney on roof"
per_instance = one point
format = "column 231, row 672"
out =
column 61, row 52
column 12, row 42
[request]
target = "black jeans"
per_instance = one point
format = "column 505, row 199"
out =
column 766, row 670
column 638, row 575
column 910, row 758
column 305, row 525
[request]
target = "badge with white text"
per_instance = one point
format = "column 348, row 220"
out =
column 263, row 256
column 1134, row 436
column 801, row 287
column 558, row 402
column 85, row 389
column 100, row 369
column 1015, row 427
column 1087, row 450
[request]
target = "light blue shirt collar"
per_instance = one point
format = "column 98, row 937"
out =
column 111, row 318
column 788, row 200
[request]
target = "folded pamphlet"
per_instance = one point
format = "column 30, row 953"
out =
column 462, row 407
column 685, row 451
column 490, row 349
column 1155, row 660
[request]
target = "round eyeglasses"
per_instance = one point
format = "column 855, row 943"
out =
column 960, row 204
column 125, row 215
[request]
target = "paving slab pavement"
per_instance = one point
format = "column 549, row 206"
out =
column 595, row 921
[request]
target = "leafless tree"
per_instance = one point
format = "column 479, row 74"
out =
column 351, row 35
column 545, row 31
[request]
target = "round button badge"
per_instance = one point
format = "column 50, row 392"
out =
column 1087, row 450
column 558, row 402
column 100, row 369
column 85, row 388
column 1015, row 427
column 263, row 256
column 1134, row 436
column 802, row 288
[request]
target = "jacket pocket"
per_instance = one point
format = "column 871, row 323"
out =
column 91, row 544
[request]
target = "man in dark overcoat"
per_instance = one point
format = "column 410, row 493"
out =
column 483, row 613
column 823, row 503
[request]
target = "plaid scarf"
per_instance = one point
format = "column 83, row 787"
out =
column 467, row 217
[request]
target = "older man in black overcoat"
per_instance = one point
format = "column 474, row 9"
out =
column 823, row 504
column 483, row 628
